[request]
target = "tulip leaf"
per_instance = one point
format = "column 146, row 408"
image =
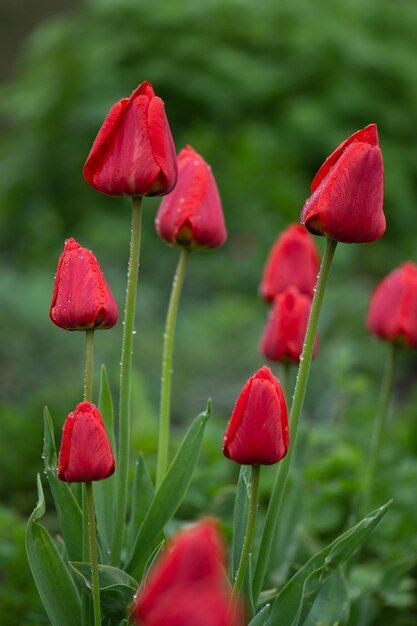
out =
column 55, row 585
column 260, row 618
column 116, row 588
column 169, row 495
column 332, row 604
column 115, row 600
column 142, row 495
column 295, row 600
column 67, row 507
column 104, row 490
column 107, row 575
column 240, row 515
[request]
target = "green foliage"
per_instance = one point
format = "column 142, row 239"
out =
column 55, row 585
column 19, row 598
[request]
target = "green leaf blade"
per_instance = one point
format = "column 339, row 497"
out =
column 169, row 495
column 55, row 585
column 296, row 599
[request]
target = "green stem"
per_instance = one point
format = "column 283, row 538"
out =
column 247, row 542
column 164, row 415
column 88, row 395
column 89, row 360
column 93, row 552
column 125, row 380
column 274, row 508
column 379, row 427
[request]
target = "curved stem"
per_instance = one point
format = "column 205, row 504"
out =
column 274, row 508
column 93, row 553
column 89, row 361
column 379, row 427
column 88, row 395
column 164, row 414
column 125, row 380
column 247, row 542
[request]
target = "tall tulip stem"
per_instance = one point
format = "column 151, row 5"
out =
column 88, row 395
column 93, row 552
column 379, row 427
column 274, row 508
column 169, row 335
column 247, row 542
column 125, row 380
column 89, row 361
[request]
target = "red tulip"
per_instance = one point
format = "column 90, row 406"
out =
column 188, row 585
column 133, row 153
column 393, row 309
column 284, row 334
column 293, row 260
column 257, row 433
column 347, row 199
column 81, row 299
column 192, row 214
column 85, row 453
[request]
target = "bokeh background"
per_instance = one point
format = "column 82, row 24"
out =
column 264, row 91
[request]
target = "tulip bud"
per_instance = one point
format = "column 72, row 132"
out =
column 258, row 433
column 293, row 260
column 81, row 299
column 133, row 153
column 188, row 584
column 192, row 214
column 85, row 453
column 392, row 312
column 347, row 193
column 284, row 334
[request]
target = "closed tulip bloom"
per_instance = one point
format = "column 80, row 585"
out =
column 85, row 453
column 81, row 299
column 192, row 214
column 392, row 312
column 293, row 260
column 258, row 433
column 188, row 585
column 284, row 334
column 133, row 153
column 347, row 193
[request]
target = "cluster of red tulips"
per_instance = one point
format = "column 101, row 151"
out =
column 141, row 577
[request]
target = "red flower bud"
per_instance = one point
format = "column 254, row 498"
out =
column 133, row 153
column 257, row 433
column 192, row 214
column 85, row 453
column 293, row 260
column 188, row 585
column 81, row 299
column 284, row 333
column 392, row 312
column 347, row 199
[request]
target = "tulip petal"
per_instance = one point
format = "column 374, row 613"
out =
column 350, row 203
column 369, row 135
column 258, row 429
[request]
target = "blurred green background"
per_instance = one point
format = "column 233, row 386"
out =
column 264, row 91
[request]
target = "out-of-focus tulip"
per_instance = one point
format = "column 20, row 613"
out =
column 192, row 214
column 258, row 433
column 392, row 312
column 133, row 153
column 293, row 260
column 81, row 299
column 85, row 453
column 347, row 193
column 188, row 585
column 284, row 333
